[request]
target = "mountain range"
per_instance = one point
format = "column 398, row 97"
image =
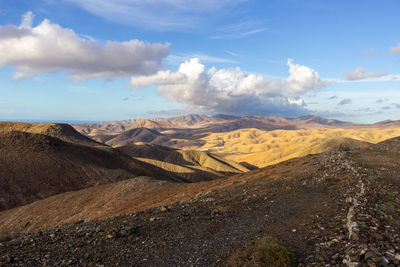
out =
column 153, row 192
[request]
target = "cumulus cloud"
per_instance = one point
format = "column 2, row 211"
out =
column 344, row 102
column 395, row 49
column 360, row 74
column 159, row 14
column 233, row 90
column 49, row 47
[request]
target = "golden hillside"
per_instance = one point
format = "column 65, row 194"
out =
column 262, row 148
column 190, row 165
column 257, row 141
column 62, row 131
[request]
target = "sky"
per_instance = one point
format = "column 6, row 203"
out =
column 102, row 60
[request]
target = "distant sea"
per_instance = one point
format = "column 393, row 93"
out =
column 55, row 121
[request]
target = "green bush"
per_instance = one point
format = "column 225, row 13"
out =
column 265, row 252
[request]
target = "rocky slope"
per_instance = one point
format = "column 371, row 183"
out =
column 332, row 209
column 36, row 166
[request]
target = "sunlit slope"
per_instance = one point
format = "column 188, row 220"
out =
column 62, row 131
column 189, row 164
column 262, row 148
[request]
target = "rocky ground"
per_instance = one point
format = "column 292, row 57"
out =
column 331, row 209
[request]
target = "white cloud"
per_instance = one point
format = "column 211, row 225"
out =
column 395, row 49
column 159, row 14
column 49, row 48
column 239, row 30
column 302, row 79
column 360, row 74
column 229, row 90
column 298, row 101
column 27, row 20
column 238, row 35
column 368, row 52
column 178, row 58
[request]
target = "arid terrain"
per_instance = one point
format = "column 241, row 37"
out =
column 253, row 141
column 199, row 191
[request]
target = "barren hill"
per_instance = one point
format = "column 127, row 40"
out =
column 334, row 208
column 35, row 166
column 138, row 135
column 387, row 123
column 59, row 130
column 189, row 164
column 258, row 141
column 116, row 127
column 203, row 124
column 313, row 119
column 262, row 148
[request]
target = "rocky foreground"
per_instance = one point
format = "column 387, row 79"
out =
column 333, row 209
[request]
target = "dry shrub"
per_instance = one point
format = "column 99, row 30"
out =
column 265, row 252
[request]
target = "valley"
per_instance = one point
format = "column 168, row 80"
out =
column 80, row 200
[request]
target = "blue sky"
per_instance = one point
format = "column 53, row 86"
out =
column 72, row 59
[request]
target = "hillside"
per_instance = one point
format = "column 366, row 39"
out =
column 250, row 140
column 116, row 127
column 35, row 166
column 189, row 164
column 62, row 131
column 262, row 148
column 313, row 119
column 137, row 135
column 198, row 124
column 334, row 208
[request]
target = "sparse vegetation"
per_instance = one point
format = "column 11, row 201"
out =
column 389, row 198
column 330, row 180
column 390, row 208
column 372, row 175
column 361, row 164
column 265, row 252
column 5, row 237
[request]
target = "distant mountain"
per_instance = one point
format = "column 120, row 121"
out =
column 313, row 119
column 115, row 127
column 225, row 117
column 387, row 123
column 202, row 124
column 190, row 120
